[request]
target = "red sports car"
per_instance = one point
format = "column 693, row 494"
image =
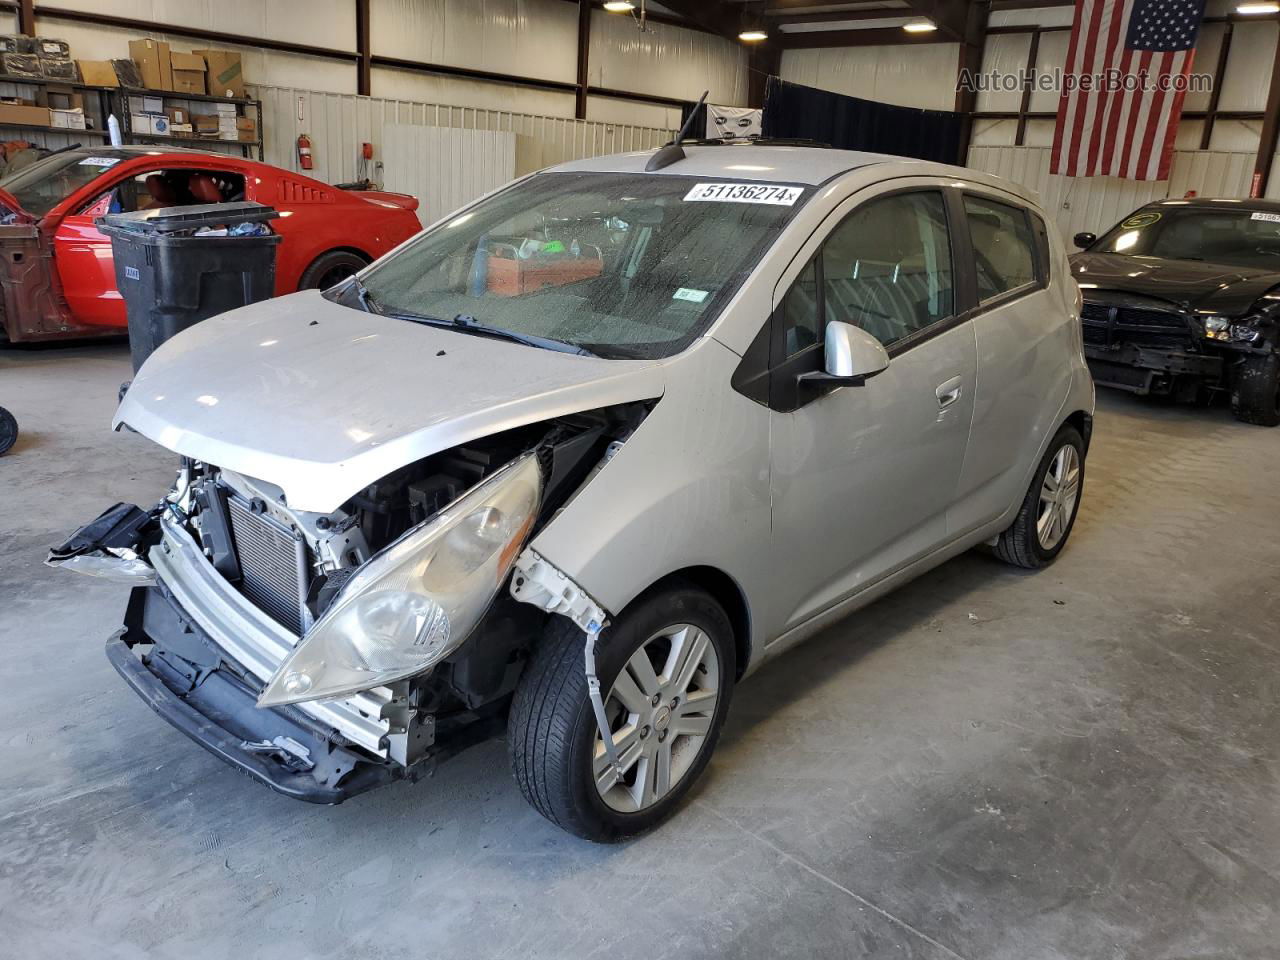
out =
column 56, row 267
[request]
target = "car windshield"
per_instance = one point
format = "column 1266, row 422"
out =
column 1237, row 238
column 621, row 265
column 47, row 182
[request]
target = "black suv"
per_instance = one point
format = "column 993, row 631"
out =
column 1182, row 299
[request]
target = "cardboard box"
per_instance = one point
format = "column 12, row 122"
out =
column 181, row 130
column 249, row 136
column 225, row 109
column 59, row 96
column 140, row 123
column 24, row 114
column 188, row 72
column 247, row 123
column 98, row 73
column 71, row 119
column 205, row 123
column 223, row 73
column 178, row 115
column 146, row 104
column 154, row 63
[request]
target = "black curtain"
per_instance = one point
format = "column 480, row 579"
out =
column 793, row 111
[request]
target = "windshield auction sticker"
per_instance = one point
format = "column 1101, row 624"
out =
column 1141, row 220
column 99, row 161
column 1267, row 217
column 777, row 195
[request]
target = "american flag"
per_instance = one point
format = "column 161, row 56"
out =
column 1127, row 132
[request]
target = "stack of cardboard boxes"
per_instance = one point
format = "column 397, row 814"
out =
column 215, row 72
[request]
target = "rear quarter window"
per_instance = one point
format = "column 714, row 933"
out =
column 1006, row 250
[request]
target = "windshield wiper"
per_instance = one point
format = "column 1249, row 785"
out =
column 364, row 296
column 469, row 324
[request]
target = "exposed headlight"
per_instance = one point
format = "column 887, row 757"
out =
column 1218, row 328
column 416, row 601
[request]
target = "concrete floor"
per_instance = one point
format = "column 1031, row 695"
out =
column 1082, row 763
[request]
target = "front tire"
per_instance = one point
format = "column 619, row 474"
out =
column 668, row 665
column 1048, row 512
column 1255, row 395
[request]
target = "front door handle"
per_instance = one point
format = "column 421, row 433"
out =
column 950, row 392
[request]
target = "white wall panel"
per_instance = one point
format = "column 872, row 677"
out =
column 665, row 61
column 919, row 75
column 320, row 23
column 446, row 167
column 613, row 110
column 1008, row 55
column 1253, row 51
column 1098, row 203
column 434, row 88
column 1052, row 56
column 339, row 123
column 527, row 38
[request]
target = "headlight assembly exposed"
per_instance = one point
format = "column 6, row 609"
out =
column 1222, row 329
column 415, row 602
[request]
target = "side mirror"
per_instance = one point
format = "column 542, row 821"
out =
column 1085, row 240
column 853, row 356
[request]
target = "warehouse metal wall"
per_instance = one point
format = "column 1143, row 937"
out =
column 339, row 123
column 1096, row 204
column 922, row 75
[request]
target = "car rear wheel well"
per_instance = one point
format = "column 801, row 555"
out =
column 320, row 272
column 1083, row 423
column 725, row 591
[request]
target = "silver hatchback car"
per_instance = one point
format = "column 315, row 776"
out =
column 579, row 457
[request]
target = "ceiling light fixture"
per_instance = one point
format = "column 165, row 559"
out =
column 753, row 36
column 920, row 26
column 619, row 6
column 1257, row 9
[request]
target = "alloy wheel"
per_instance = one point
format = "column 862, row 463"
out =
column 660, row 711
column 1058, row 496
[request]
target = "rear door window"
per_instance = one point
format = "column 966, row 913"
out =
column 1004, row 247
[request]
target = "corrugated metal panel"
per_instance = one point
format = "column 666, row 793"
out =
column 1005, row 55
column 1098, row 203
column 666, row 61
column 909, row 76
column 339, row 123
column 446, row 168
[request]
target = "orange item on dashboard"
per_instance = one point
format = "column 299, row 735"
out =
column 511, row 276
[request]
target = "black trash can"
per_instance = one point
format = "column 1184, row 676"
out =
column 172, row 276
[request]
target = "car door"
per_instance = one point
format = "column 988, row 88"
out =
column 82, row 252
column 1023, row 336
column 862, row 477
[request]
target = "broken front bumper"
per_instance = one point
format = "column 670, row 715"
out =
column 186, row 678
column 1150, row 370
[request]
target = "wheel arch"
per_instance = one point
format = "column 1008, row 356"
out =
column 1083, row 422
column 312, row 260
column 725, row 591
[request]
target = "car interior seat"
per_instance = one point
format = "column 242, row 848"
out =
column 160, row 191
column 203, row 188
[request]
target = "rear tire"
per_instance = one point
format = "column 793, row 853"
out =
column 8, row 430
column 331, row 268
column 1048, row 512
column 557, row 753
column 1255, row 394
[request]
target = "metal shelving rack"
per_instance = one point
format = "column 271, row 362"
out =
column 97, row 132
column 119, row 105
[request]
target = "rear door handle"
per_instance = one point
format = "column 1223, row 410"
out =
column 950, row 392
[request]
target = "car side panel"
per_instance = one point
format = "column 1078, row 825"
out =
column 1030, row 365
column 689, row 488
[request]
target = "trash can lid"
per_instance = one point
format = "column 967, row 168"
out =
column 183, row 219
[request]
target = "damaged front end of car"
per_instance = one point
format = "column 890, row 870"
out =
column 325, row 654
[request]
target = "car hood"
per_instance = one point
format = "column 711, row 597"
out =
column 323, row 400
column 1231, row 291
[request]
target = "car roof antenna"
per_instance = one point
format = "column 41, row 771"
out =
column 673, row 152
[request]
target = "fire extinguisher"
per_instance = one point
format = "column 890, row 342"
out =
column 304, row 152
